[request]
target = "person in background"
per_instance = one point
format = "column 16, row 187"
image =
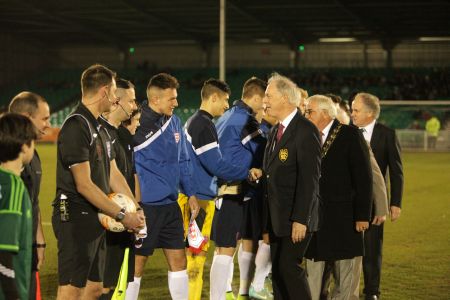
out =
column 346, row 200
column 36, row 108
column 17, row 136
column 432, row 126
column 386, row 148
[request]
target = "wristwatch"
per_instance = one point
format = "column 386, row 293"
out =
column 121, row 215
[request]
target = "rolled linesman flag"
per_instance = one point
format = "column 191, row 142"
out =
column 121, row 288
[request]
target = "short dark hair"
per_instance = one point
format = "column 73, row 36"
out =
column 15, row 131
column 95, row 77
column 212, row 86
column 254, row 86
column 163, row 81
column 336, row 99
column 25, row 102
column 127, row 122
column 124, row 84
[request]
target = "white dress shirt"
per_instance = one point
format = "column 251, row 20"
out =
column 289, row 118
column 368, row 131
column 326, row 131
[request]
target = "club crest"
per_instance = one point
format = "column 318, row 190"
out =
column 283, row 155
column 177, row 137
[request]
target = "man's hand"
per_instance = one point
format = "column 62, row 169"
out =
column 378, row 220
column 193, row 206
column 395, row 213
column 254, row 174
column 134, row 221
column 298, row 232
column 40, row 256
column 361, row 226
column 140, row 212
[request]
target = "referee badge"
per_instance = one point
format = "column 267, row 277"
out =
column 177, row 137
column 283, row 155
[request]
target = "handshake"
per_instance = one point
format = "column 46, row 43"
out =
column 254, row 174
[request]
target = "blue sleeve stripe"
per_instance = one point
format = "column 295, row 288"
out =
column 251, row 136
column 153, row 137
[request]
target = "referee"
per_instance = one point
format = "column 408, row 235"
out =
column 86, row 172
column 117, row 242
column 37, row 110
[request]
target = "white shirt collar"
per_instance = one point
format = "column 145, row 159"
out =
column 289, row 118
column 326, row 130
column 368, row 130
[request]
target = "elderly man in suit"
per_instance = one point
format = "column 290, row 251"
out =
column 346, row 198
column 291, row 169
column 386, row 148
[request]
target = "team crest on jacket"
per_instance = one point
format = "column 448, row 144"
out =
column 283, row 155
column 177, row 137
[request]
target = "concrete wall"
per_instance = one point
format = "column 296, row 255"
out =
column 19, row 59
column 318, row 55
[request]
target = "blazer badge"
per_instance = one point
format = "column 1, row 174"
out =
column 283, row 155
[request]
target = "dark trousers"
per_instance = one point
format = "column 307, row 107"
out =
column 33, row 286
column 373, row 244
column 288, row 277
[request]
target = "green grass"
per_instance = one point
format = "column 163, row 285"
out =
column 416, row 261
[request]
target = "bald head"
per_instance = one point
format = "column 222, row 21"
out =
column 34, row 107
column 26, row 103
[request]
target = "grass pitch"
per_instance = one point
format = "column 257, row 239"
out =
column 416, row 255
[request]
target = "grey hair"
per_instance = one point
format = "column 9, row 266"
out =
column 286, row 87
column 371, row 103
column 324, row 103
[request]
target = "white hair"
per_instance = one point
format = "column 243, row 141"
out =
column 371, row 103
column 324, row 103
column 286, row 87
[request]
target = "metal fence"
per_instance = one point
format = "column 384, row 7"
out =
column 419, row 140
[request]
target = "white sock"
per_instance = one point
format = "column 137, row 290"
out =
column 219, row 270
column 178, row 285
column 133, row 289
column 230, row 276
column 263, row 265
column 246, row 268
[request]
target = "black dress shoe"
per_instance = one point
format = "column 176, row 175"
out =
column 372, row 297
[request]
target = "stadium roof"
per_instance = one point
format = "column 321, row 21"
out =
column 123, row 23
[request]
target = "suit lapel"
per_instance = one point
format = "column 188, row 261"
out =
column 270, row 145
column 284, row 139
column 374, row 141
column 335, row 123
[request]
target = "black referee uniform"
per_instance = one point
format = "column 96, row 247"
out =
column 31, row 176
column 117, row 242
column 126, row 165
column 75, row 220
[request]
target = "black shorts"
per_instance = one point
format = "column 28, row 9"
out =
column 81, row 245
column 227, row 223
column 116, row 243
column 164, row 228
column 252, row 220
